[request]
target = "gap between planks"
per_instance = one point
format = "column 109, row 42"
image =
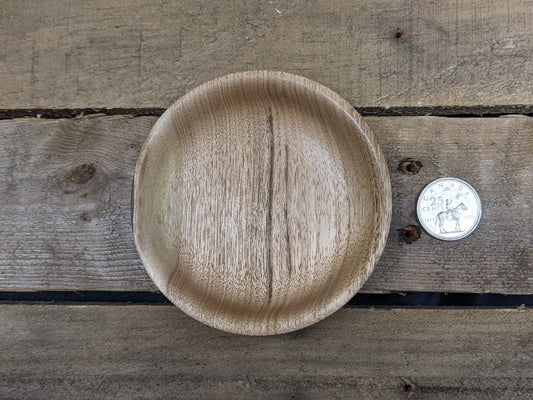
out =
column 451, row 112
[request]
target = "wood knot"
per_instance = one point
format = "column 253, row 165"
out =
column 410, row 233
column 410, row 166
column 82, row 173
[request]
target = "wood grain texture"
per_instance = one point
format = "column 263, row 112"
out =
column 149, row 53
column 61, row 235
column 261, row 202
column 57, row 216
column 158, row 352
column 495, row 156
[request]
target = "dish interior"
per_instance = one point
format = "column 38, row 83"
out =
column 259, row 203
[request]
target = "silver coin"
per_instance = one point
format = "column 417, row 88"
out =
column 449, row 209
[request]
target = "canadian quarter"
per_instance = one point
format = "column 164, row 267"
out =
column 449, row 209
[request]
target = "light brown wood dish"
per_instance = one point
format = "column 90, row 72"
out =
column 261, row 202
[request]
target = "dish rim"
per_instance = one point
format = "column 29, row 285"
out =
column 384, row 186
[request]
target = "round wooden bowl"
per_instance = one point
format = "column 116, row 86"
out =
column 261, row 202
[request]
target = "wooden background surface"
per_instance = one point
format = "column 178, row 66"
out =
column 132, row 54
column 64, row 230
column 423, row 72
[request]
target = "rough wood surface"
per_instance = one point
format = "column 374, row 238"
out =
column 140, row 352
column 65, row 190
column 82, row 54
column 496, row 157
column 262, row 202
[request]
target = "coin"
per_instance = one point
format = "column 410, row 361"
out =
column 449, row 209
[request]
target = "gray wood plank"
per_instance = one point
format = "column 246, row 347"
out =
column 65, row 204
column 153, row 352
column 496, row 157
column 147, row 53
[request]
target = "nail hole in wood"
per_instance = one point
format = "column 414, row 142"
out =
column 410, row 166
column 398, row 34
column 407, row 388
column 410, row 233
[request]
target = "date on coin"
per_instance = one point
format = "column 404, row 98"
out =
column 449, row 209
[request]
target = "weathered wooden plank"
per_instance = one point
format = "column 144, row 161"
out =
column 65, row 204
column 158, row 352
column 496, row 157
column 374, row 53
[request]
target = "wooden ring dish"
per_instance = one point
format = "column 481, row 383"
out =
column 261, row 202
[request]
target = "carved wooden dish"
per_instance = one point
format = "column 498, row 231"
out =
column 261, row 202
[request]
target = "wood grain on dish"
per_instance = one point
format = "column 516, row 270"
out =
column 261, row 202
